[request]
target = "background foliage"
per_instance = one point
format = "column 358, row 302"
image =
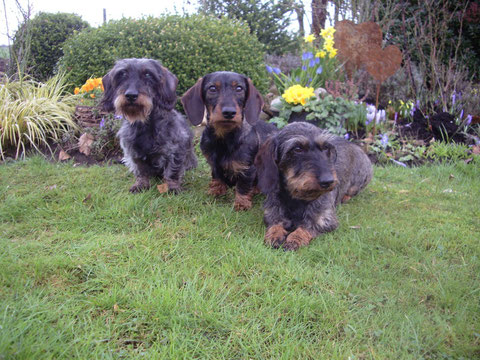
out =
column 190, row 47
column 268, row 20
column 47, row 33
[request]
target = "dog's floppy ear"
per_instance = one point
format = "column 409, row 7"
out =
column 266, row 165
column 254, row 104
column 193, row 104
column 168, row 90
column 108, row 93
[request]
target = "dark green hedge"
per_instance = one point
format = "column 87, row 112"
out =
column 190, row 47
column 47, row 33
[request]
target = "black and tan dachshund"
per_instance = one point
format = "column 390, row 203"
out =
column 233, row 132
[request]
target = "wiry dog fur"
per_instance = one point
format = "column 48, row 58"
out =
column 305, row 173
column 228, row 142
column 156, row 140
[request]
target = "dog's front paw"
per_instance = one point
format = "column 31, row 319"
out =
column 242, row 202
column 217, row 188
column 275, row 236
column 300, row 237
column 142, row 183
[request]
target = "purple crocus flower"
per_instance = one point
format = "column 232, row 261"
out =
column 297, row 79
column 102, row 123
column 461, row 114
column 347, row 136
column 396, row 117
column 277, row 70
column 304, row 68
column 384, row 140
column 453, row 98
column 468, row 120
column 311, row 63
column 269, row 69
column 399, row 163
column 319, row 70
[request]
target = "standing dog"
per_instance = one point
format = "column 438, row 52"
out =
column 228, row 142
column 155, row 139
column 305, row 173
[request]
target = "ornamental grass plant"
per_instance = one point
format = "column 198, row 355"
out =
column 33, row 113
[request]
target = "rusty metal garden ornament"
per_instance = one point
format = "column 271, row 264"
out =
column 361, row 45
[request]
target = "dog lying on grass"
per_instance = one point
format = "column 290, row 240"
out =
column 305, row 173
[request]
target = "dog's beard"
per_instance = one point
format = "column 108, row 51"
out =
column 220, row 124
column 137, row 111
column 305, row 186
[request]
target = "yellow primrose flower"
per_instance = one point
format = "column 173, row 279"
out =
column 76, row 91
column 309, row 38
column 332, row 53
column 321, row 54
column 297, row 94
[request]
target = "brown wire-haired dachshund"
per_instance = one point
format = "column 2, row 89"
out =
column 156, row 140
column 228, row 142
column 305, row 173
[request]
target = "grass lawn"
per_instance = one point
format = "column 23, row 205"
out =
column 89, row 271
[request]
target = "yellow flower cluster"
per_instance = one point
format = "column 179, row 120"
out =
column 328, row 42
column 297, row 94
column 90, row 85
column 309, row 38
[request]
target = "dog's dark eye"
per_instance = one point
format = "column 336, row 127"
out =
column 148, row 75
column 239, row 88
column 298, row 149
column 212, row 89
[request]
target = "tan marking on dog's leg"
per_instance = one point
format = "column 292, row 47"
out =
column 300, row 237
column 141, row 183
column 275, row 236
column 217, row 188
column 242, row 202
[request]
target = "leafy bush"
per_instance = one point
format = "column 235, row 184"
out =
column 189, row 46
column 47, row 33
column 32, row 113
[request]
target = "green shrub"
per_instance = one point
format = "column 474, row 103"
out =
column 47, row 32
column 33, row 113
column 189, row 46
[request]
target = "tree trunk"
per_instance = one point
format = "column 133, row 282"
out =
column 319, row 15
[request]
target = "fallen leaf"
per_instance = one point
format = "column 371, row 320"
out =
column 87, row 198
column 116, row 308
column 451, row 176
column 476, row 149
column 162, row 188
column 85, row 143
column 355, row 227
column 63, row 156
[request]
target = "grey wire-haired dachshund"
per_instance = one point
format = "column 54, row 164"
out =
column 156, row 140
column 305, row 173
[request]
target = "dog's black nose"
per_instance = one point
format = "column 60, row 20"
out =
column 131, row 96
column 229, row 113
column 325, row 184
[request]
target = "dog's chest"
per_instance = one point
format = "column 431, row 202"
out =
column 230, row 158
